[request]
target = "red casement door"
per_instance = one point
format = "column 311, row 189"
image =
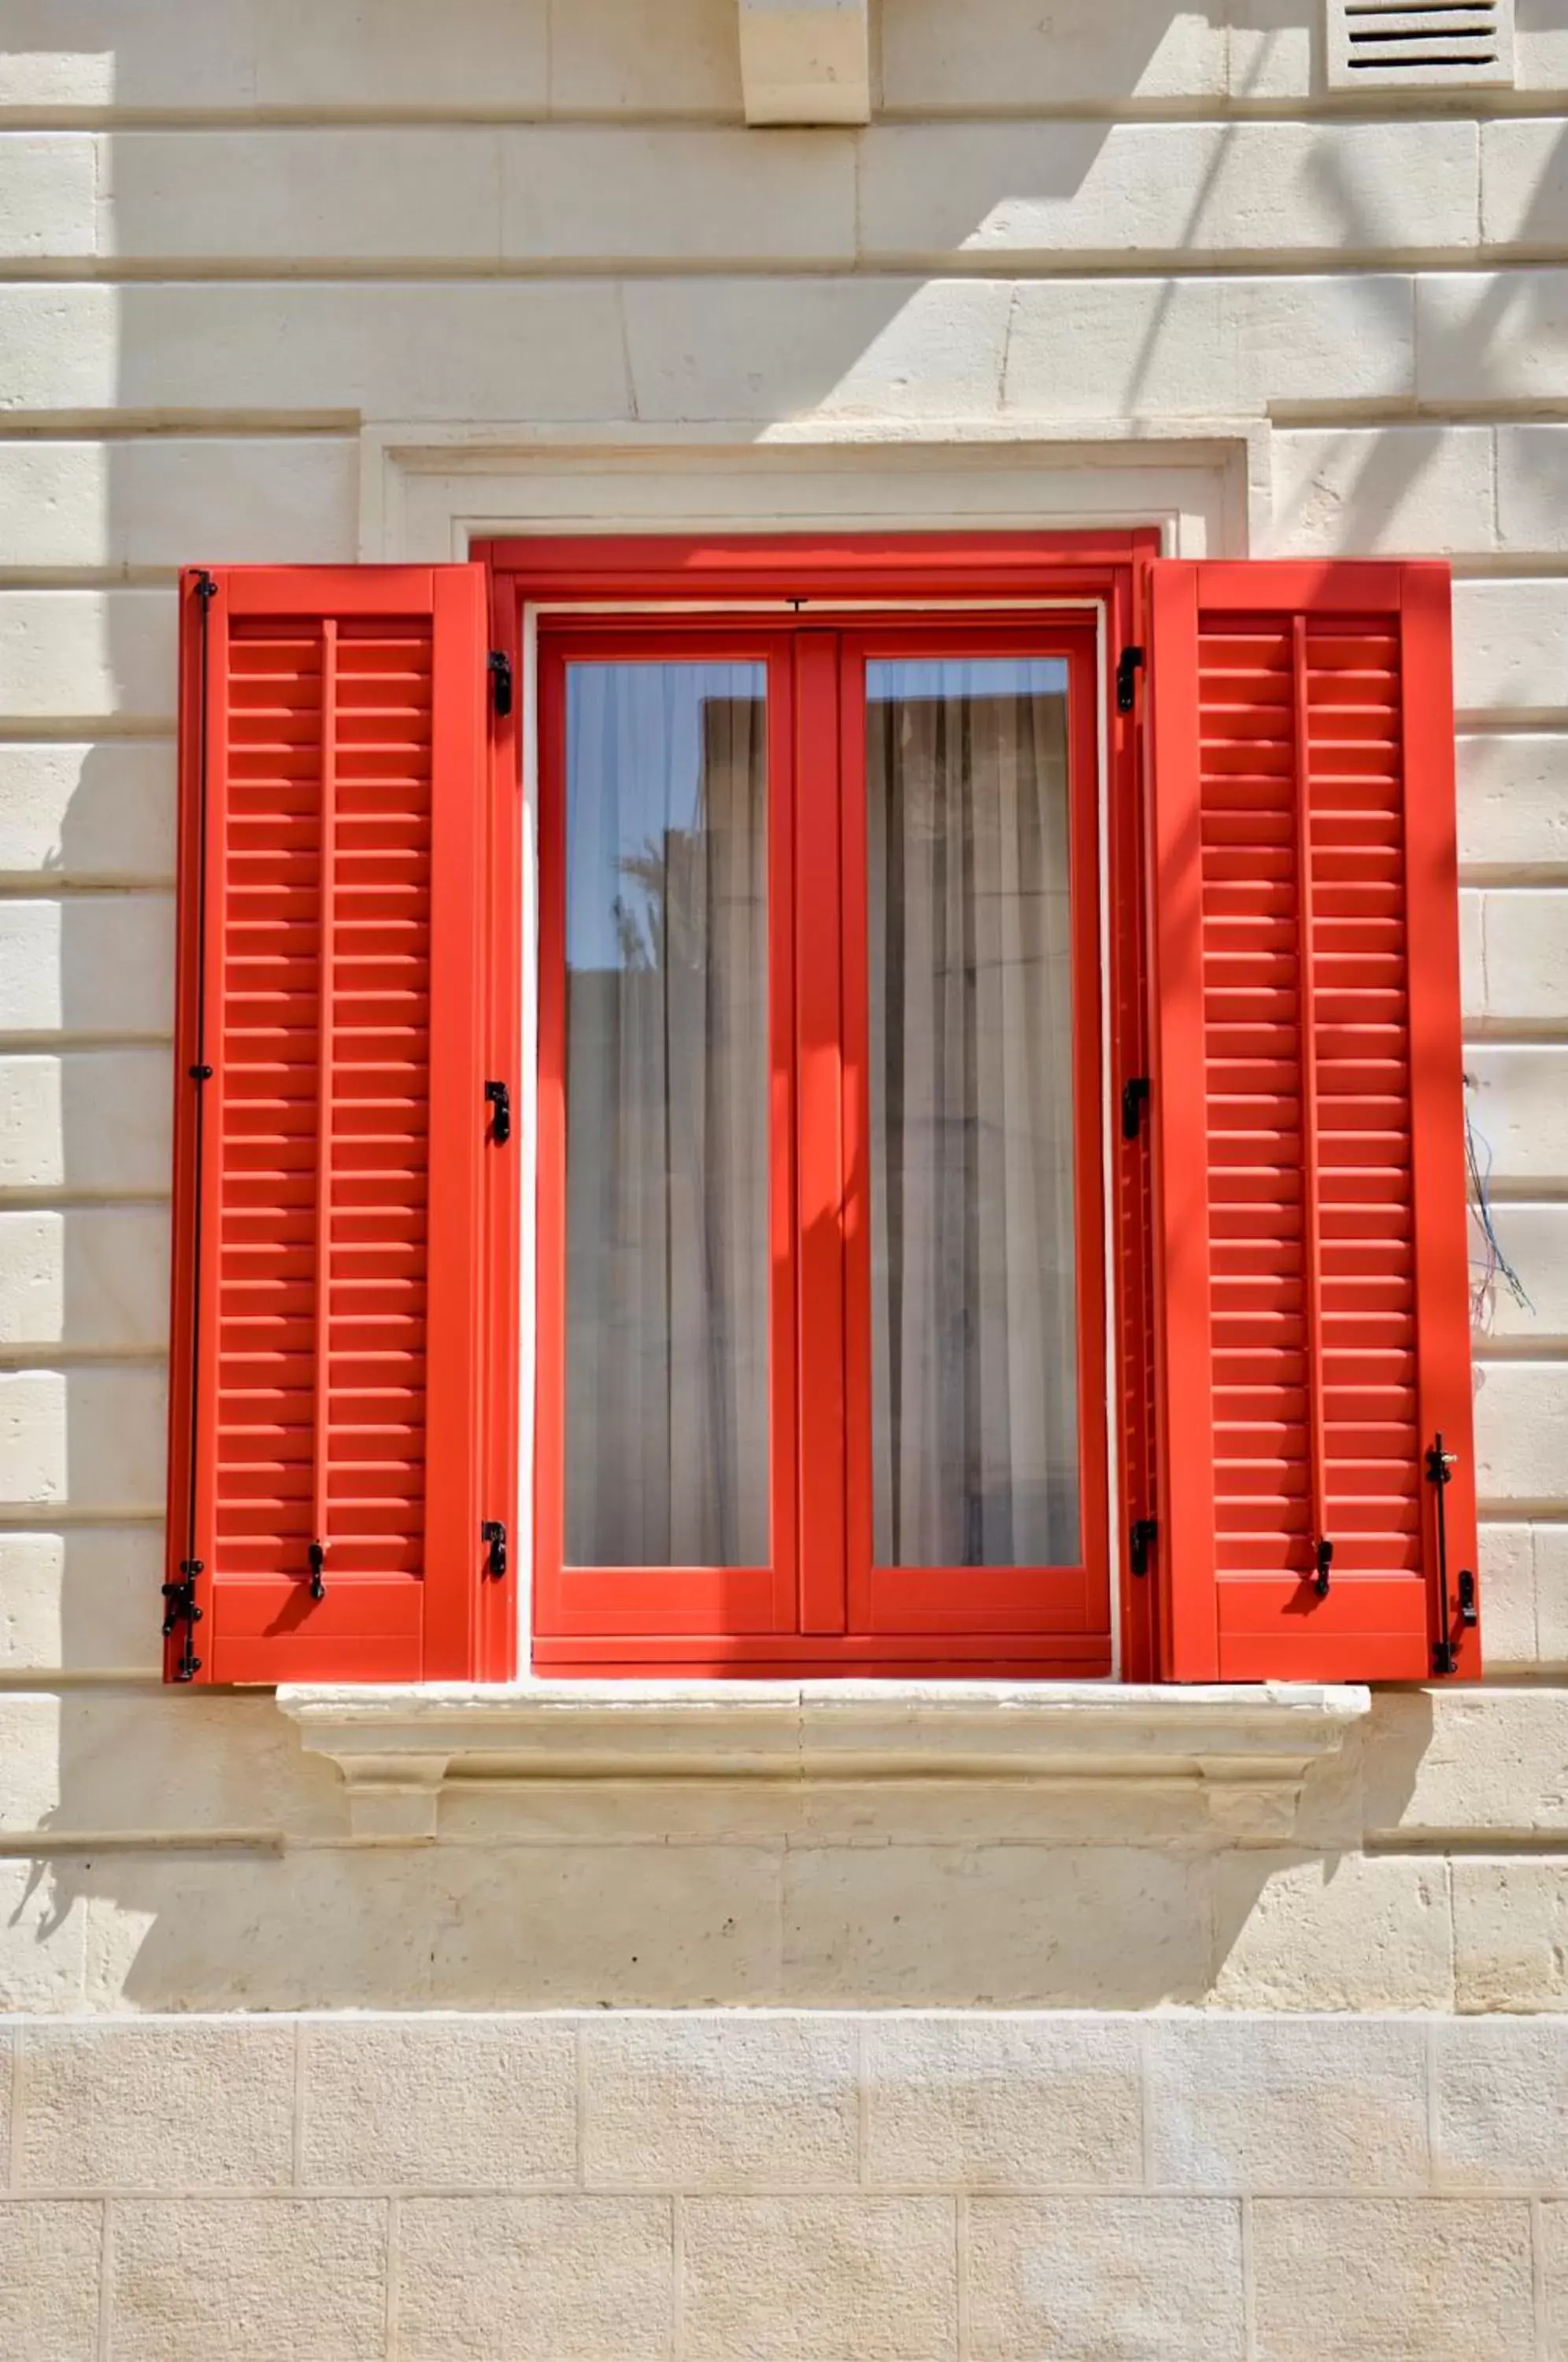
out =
column 327, row 1477
column 1317, row 1506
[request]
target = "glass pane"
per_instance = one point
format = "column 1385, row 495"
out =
column 667, row 1115
column 973, row 1282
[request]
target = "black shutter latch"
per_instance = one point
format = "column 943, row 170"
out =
column 1127, row 667
column 1140, row 1543
column 494, row 1533
column 1134, row 1099
column 499, row 668
column 498, row 1096
column 179, row 1607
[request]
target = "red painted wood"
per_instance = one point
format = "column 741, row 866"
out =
column 329, row 1332
column 1132, row 1397
column 640, row 1603
column 1311, row 1141
column 708, row 1619
column 903, row 1600
column 1437, row 1160
column 820, row 1155
column 835, row 569
column 504, row 1167
column 454, row 1081
column 1310, row 1118
column 326, row 933
column 1184, row 1378
column 1066, row 1656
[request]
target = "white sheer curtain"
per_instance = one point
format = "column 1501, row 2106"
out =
column 666, row 1116
column 974, row 1312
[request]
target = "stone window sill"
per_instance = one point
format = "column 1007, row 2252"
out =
column 1247, row 1747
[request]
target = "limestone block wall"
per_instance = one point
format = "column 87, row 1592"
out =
column 235, row 241
column 784, row 2187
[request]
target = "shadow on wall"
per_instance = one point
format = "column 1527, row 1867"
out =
column 195, row 1858
column 630, row 1893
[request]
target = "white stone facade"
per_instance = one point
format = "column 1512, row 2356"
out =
column 315, row 281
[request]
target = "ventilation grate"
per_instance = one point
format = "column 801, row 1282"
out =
column 1420, row 44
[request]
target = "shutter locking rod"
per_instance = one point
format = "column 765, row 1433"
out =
column 1440, row 1476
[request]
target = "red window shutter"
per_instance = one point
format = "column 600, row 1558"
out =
column 1309, row 1173
column 327, row 1399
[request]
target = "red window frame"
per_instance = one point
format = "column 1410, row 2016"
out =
column 699, row 1603
column 1081, row 593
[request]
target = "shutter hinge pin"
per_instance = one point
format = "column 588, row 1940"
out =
column 493, row 1533
column 1135, row 1094
column 201, row 1073
column 499, row 1096
column 1325, row 1561
column 1127, row 667
column 1140, row 1543
column 179, row 1607
column 318, row 1570
column 205, row 586
column 499, row 668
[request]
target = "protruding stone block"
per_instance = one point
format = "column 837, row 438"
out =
column 806, row 61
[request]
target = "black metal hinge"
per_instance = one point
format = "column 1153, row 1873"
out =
column 318, row 1570
column 501, row 681
column 494, row 1533
column 499, row 1096
column 1134, row 1099
column 1127, row 667
column 1140, row 1543
column 179, row 1607
column 1324, row 1561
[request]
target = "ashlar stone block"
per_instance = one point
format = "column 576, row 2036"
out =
column 251, row 2279
column 1080, row 2279
column 434, row 2101
column 979, row 2102
column 157, row 2108
column 1428, row 2279
column 703, row 2101
column 50, row 2257
column 534, row 2279
column 820, row 2279
column 1247, row 2105
column 1501, row 2105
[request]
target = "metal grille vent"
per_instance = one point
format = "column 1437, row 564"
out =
column 1420, row 44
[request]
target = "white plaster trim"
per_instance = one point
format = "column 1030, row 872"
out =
column 806, row 61
column 429, row 492
column 1249, row 1746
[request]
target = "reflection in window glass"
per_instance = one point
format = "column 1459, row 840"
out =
column 666, row 1116
column 973, row 1281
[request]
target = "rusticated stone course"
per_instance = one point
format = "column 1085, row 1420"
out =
column 732, row 2186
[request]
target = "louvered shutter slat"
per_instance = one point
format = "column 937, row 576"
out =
column 335, row 925
column 1307, row 1121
